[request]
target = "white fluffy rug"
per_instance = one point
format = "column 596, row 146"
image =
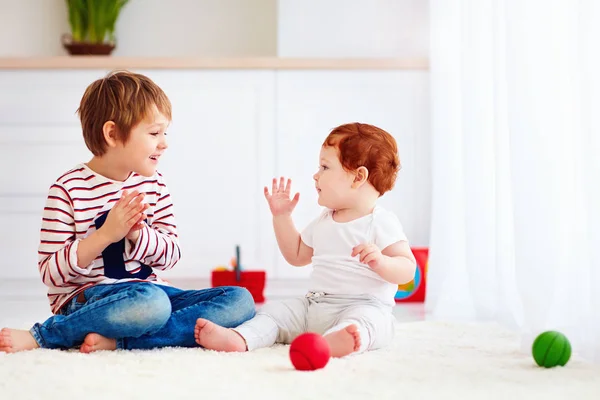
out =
column 428, row 360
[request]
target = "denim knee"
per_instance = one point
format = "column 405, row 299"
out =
column 242, row 304
column 148, row 308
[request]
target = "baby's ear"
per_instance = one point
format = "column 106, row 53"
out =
column 360, row 176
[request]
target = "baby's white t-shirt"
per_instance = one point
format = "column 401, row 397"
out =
column 335, row 271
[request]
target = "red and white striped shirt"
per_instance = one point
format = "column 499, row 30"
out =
column 74, row 202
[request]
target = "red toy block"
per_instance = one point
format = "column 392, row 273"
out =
column 415, row 290
column 254, row 281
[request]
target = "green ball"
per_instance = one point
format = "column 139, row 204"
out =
column 550, row 349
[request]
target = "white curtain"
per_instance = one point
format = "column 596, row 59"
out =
column 515, row 235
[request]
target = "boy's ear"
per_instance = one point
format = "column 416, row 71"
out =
column 360, row 177
column 109, row 130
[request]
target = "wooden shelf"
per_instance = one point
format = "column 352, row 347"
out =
column 112, row 62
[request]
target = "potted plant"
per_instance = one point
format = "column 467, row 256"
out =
column 92, row 25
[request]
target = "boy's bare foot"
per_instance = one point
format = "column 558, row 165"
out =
column 344, row 341
column 214, row 337
column 94, row 342
column 14, row 340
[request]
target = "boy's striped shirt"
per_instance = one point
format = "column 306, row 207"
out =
column 74, row 202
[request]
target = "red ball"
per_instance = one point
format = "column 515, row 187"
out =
column 309, row 351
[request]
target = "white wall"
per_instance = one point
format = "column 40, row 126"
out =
column 32, row 27
column 222, row 28
column 216, row 28
column 149, row 28
column 353, row 28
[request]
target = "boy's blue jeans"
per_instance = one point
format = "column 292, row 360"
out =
column 142, row 315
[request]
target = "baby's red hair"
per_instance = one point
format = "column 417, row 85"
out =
column 363, row 145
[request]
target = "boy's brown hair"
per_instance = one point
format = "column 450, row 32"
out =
column 364, row 145
column 122, row 97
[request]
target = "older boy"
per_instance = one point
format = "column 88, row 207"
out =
column 108, row 226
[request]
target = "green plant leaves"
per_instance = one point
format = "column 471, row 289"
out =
column 94, row 21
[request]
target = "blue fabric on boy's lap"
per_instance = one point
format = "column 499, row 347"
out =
column 114, row 264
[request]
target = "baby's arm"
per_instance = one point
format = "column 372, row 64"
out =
column 389, row 255
column 293, row 249
column 398, row 264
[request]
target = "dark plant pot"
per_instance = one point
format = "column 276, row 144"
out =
column 86, row 48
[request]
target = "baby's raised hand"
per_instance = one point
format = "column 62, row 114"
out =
column 368, row 254
column 279, row 200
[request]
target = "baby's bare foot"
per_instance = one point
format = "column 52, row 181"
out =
column 94, row 342
column 14, row 340
column 344, row 341
column 214, row 337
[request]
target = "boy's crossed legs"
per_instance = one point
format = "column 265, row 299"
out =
column 132, row 315
column 126, row 308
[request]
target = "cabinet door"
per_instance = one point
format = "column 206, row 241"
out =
column 311, row 103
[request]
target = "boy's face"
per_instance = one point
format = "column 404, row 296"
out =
column 147, row 142
column 333, row 183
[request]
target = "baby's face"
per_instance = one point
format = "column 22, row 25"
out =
column 333, row 183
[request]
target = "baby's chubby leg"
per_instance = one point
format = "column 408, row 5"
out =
column 343, row 339
column 360, row 328
column 278, row 322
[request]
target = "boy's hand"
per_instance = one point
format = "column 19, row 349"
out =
column 279, row 200
column 368, row 254
column 134, row 232
column 127, row 212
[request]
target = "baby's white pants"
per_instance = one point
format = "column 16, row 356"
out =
column 283, row 321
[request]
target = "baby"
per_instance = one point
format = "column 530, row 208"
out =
column 358, row 250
